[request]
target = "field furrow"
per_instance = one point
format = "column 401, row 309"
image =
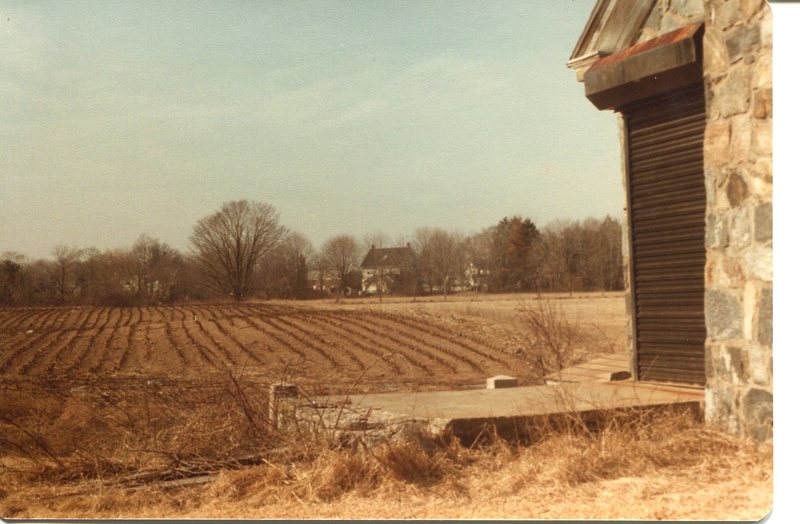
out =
column 52, row 348
column 227, row 333
column 148, row 342
column 334, row 343
column 436, row 342
column 438, row 346
column 64, row 317
column 147, row 314
column 322, row 346
column 367, row 333
column 208, row 312
column 115, row 319
column 16, row 319
column 267, row 310
column 74, row 352
column 42, row 335
column 120, row 349
column 211, row 342
column 351, row 339
column 126, row 314
column 278, row 341
column 124, row 343
column 49, row 318
column 373, row 327
column 46, row 317
column 93, row 344
column 469, row 343
column 296, row 341
column 137, row 315
column 52, row 356
column 197, row 348
column 92, row 318
column 167, row 313
column 9, row 343
column 137, row 349
column 175, row 345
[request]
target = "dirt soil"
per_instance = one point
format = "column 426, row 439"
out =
column 380, row 347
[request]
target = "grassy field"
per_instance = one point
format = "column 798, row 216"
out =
column 105, row 412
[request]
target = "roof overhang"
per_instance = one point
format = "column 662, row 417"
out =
column 667, row 62
column 613, row 25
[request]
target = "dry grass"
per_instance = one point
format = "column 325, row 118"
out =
column 605, row 309
column 554, row 338
column 653, row 465
column 109, row 446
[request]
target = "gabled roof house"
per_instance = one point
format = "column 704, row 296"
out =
column 383, row 268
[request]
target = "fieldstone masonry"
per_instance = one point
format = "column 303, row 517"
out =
column 739, row 256
column 737, row 73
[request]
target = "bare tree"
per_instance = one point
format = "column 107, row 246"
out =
column 478, row 258
column 157, row 266
column 67, row 259
column 12, row 278
column 106, row 277
column 341, row 254
column 554, row 255
column 376, row 239
column 229, row 243
column 604, row 253
column 441, row 257
column 285, row 274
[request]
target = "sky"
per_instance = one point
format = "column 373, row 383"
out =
column 124, row 118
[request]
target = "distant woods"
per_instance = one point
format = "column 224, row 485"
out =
column 515, row 255
column 242, row 251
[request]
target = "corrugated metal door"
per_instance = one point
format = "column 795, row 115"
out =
column 667, row 203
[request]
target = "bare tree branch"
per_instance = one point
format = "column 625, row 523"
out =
column 230, row 243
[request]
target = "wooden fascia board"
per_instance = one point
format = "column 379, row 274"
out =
column 668, row 62
column 590, row 30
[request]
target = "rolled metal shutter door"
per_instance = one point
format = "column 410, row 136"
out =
column 667, row 218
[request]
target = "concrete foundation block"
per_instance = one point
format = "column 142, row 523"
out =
column 284, row 390
column 278, row 392
column 501, row 381
column 618, row 376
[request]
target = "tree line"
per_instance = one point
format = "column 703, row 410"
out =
column 242, row 250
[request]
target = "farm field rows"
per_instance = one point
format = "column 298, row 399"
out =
column 338, row 344
column 104, row 410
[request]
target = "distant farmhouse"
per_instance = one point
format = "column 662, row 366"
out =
column 327, row 283
column 475, row 277
column 691, row 81
column 387, row 270
column 322, row 281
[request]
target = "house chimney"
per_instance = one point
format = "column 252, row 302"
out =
column 372, row 247
column 408, row 244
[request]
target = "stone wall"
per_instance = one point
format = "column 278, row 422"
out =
column 737, row 63
column 737, row 55
column 668, row 15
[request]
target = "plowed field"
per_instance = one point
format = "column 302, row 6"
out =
column 336, row 344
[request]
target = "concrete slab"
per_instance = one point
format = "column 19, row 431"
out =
column 522, row 401
column 583, row 390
